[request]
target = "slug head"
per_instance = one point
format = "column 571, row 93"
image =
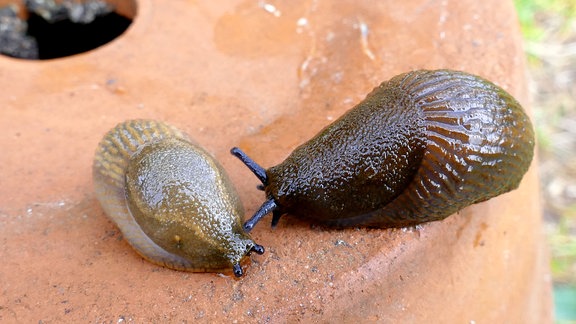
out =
column 185, row 203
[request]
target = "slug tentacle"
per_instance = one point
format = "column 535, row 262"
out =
column 237, row 270
column 418, row 148
column 259, row 249
column 276, row 214
column 259, row 171
column 267, row 207
column 172, row 201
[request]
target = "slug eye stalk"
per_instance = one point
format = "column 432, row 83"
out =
column 258, row 171
column 269, row 206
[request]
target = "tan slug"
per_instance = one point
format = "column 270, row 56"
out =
column 171, row 200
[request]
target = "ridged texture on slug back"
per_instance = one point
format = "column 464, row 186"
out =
column 420, row 147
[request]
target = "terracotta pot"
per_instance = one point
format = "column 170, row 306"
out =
column 265, row 77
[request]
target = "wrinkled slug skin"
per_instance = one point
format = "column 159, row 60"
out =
column 420, row 147
column 173, row 203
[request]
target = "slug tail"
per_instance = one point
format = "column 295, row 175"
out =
column 253, row 166
column 267, row 207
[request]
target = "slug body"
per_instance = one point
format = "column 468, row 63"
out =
column 418, row 148
column 172, row 201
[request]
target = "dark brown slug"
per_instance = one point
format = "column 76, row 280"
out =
column 172, row 201
column 418, row 148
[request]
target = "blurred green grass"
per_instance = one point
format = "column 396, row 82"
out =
column 549, row 32
column 531, row 14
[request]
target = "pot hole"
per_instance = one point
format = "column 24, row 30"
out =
column 48, row 29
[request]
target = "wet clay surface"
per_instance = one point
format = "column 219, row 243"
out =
column 264, row 77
